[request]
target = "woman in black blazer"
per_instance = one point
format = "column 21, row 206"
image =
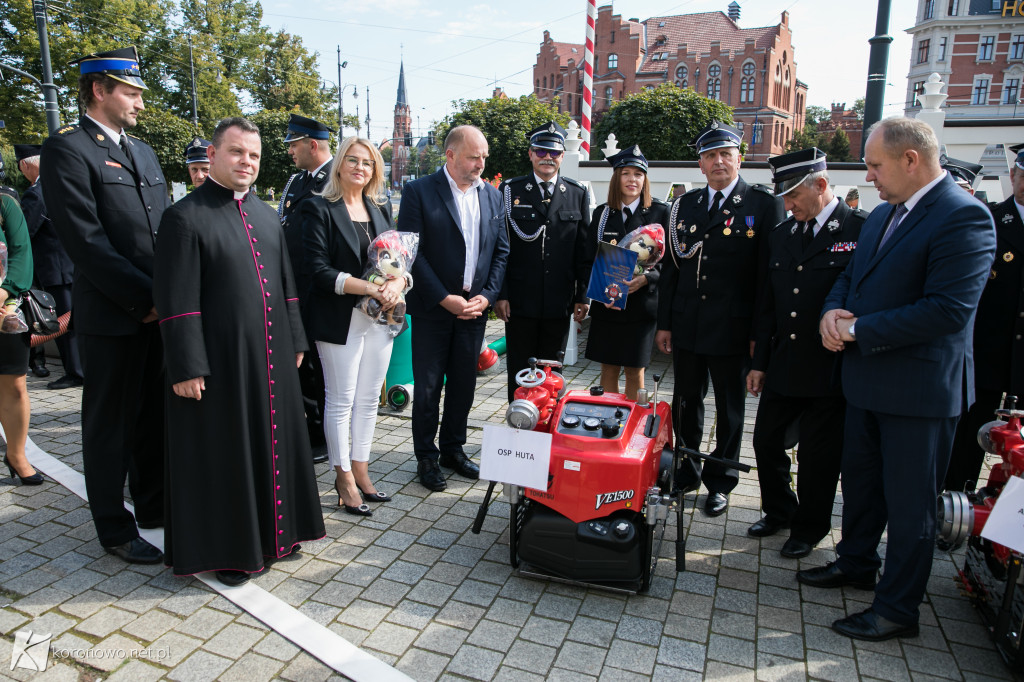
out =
column 337, row 228
column 622, row 340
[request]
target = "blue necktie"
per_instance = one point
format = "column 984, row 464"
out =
column 894, row 222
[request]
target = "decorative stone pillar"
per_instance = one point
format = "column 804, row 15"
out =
column 931, row 100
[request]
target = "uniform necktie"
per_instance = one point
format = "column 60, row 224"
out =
column 126, row 148
column 808, row 233
column 546, row 190
column 626, row 214
column 715, row 205
column 894, row 222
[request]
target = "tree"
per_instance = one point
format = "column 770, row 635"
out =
column 814, row 115
column 505, row 123
column 287, row 77
column 168, row 135
column 802, row 139
column 275, row 164
column 838, row 147
column 858, row 106
column 664, row 121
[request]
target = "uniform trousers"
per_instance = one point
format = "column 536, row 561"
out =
column 444, row 355
column 66, row 345
column 311, row 381
column 967, row 458
column 892, row 470
column 123, row 430
column 353, row 375
column 820, row 423
column 531, row 337
column 728, row 376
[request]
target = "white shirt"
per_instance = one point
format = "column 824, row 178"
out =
column 910, row 203
column 111, row 133
column 468, row 206
column 822, row 217
column 725, row 192
column 1020, row 209
column 633, row 206
column 540, row 183
column 317, row 169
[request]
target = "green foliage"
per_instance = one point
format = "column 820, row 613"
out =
column 505, row 123
column 168, row 135
column 275, row 164
column 13, row 177
column 838, row 146
column 664, row 121
column 287, row 77
column 858, row 106
column 814, row 115
column 802, row 139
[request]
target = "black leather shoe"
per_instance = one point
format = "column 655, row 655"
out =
column 233, row 578
column 766, row 527
column 430, row 475
column 796, row 549
column 137, row 551
column 460, row 463
column 830, row 575
column 716, row 504
column 320, row 453
column 40, row 370
column 66, row 381
column 150, row 525
column 870, row 626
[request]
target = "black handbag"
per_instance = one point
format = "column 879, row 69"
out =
column 40, row 312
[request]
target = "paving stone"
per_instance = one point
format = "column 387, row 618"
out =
column 492, row 635
column 120, row 584
column 475, row 663
column 723, row 671
column 405, row 572
column 560, row 608
column 105, row 621
column 786, row 644
column 679, row 653
column 642, row 630
column 687, row 627
column 509, row 611
column 294, row 591
column 135, row 671
column 150, row 625
column 530, row 657
column 476, row 592
column 11, row 620
column 431, row 592
column 592, row 631
column 631, row 657
column 882, row 667
column 363, row 614
column 731, row 650
column 931, row 662
column 600, row 606
column 771, row 667
column 460, row 615
column 186, row 601
column 201, row 666
column 41, row 601
column 336, row 593
column 583, row 658
column 422, row 665
column 251, row 667
column 441, row 639
column 233, row 641
column 204, row 623
column 176, row 647
column 834, row 668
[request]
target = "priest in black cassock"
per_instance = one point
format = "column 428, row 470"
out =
column 241, row 491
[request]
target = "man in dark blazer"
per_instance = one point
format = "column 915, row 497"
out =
column 998, row 337
column 105, row 193
column 309, row 147
column 901, row 314
column 791, row 371
column 458, row 272
column 547, row 222
column 54, row 270
column 709, row 286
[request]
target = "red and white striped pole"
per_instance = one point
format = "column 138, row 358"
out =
column 588, row 75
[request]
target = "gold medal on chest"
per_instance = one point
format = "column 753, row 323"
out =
column 288, row 204
column 614, row 242
column 1008, row 256
column 693, row 228
column 100, row 137
column 750, row 233
column 516, row 202
column 727, row 231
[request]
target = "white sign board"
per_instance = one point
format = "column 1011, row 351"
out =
column 178, row 191
column 515, row 456
column 1005, row 524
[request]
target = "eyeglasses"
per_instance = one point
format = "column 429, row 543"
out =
column 353, row 162
column 553, row 153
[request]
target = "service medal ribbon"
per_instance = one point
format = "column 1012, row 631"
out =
column 843, row 247
column 749, row 220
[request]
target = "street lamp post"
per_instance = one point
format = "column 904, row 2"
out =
column 49, row 89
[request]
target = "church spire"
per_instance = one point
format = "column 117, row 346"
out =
column 403, row 98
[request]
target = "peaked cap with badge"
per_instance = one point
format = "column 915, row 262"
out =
column 300, row 127
column 121, row 65
column 963, row 172
column 631, row 156
column 197, row 151
column 551, row 135
column 789, row 170
column 717, row 135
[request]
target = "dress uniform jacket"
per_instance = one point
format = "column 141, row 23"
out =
column 300, row 186
column 788, row 344
column 53, row 266
column 547, row 271
column 713, row 291
column 999, row 325
column 106, row 208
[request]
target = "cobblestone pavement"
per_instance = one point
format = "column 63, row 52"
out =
column 413, row 587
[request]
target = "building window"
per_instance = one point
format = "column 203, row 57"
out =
column 609, row 94
column 746, row 90
column 715, row 81
column 922, row 51
column 758, row 133
column 1011, row 90
column 954, row 8
column 918, row 89
column 538, row 85
column 613, row 62
column 980, row 93
column 985, row 48
column 613, row 36
column 941, row 56
column 545, row 82
column 1017, row 48
column 929, row 9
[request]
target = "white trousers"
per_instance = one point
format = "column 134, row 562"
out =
column 353, row 376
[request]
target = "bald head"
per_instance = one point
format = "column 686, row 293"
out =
column 465, row 153
column 902, row 156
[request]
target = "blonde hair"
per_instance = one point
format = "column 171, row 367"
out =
column 374, row 189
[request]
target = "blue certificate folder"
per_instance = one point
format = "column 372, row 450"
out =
column 613, row 268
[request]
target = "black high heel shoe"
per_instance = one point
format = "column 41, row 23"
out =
column 361, row 510
column 374, row 497
column 34, row 479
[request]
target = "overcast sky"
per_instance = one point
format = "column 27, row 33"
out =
column 460, row 50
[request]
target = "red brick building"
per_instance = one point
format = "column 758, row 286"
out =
column 751, row 69
column 846, row 120
column 977, row 48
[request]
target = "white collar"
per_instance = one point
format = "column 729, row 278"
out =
column 317, row 169
column 633, row 206
column 826, row 212
column 111, row 133
column 238, row 195
column 1020, row 209
column 553, row 181
column 455, row 188
column 910, row 203
column 725, row 192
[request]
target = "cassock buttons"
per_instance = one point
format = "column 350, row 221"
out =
column 793, row 314
column 796, row 291
column 799, row 268
column 792, row 336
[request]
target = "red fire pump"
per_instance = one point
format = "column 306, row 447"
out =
column 610, row 484
column 992, row 575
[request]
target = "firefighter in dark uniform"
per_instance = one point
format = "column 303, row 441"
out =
column 197, row 160
column 998, row 337
column 710, row 283
column 309, row 146
column 105, row 194
column 791, row 371
column 547, row 216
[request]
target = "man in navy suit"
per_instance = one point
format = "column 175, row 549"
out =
column 458, row 273
column 901, row 314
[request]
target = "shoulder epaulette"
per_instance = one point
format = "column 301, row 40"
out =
column 787, row 221
column 68, row 128
column 694, row 191
column 861, row 213
column 656, row 200
column 515, row 179
column 572, row 181
column 764, row 188
column 134, row 137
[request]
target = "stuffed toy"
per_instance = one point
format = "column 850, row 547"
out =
column 649, row 243
column 389, row 256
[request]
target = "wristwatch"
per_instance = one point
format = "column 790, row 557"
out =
column 852, row 331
